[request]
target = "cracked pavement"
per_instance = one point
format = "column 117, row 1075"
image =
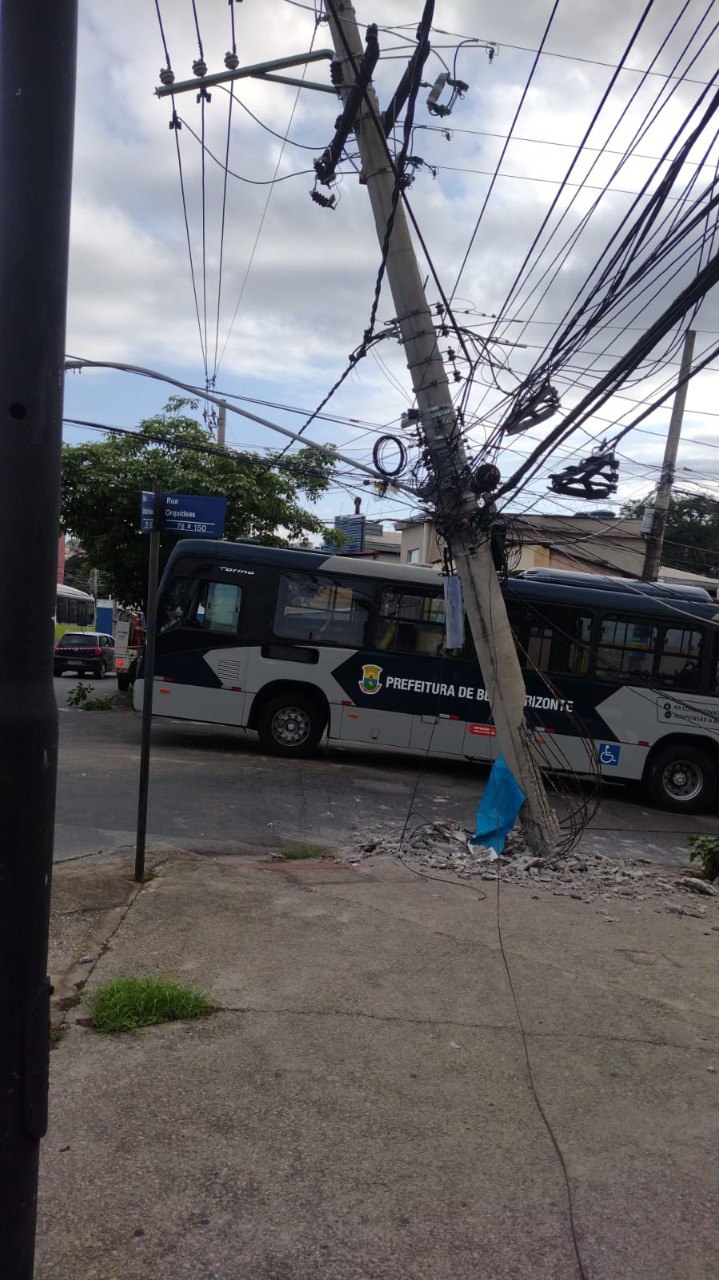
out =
column 360, row 1107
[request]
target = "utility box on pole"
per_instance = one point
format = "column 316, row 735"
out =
column 457, row 511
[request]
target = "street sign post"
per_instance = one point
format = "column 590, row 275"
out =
column 164, row 513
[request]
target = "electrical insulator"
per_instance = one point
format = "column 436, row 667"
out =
column 232, row 61
column 326, row 202
column 167, row 76
column 435, row 92
column 336, row 73
column 199, row 68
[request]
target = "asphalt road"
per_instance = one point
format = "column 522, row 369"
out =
column 213, row 790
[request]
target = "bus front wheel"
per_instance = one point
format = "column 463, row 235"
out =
column 681, row 778
column 290, row 724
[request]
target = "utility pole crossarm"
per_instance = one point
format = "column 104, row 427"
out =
column 263, row 70
column 458, row 517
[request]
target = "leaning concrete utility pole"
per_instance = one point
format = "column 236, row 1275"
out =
column 655, row 541
column 456, row 502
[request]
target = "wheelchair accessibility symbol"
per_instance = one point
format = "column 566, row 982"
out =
column 609, row 752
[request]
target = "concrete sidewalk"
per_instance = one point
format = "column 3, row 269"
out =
column 360, row 1107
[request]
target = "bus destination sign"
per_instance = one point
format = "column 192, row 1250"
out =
column 184, row 513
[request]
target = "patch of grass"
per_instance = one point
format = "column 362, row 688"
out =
column 300, row 851
column 127, row 1003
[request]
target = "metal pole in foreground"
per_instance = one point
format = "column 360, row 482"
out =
column 148, row 666
column 37, row 99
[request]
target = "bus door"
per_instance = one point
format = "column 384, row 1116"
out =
column 200, row 663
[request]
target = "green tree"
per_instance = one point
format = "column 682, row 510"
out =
column 102, row 483
column 691, row 540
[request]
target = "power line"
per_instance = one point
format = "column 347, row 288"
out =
column 261, row 224
column 544, row 142
column 495, row 175
column 482, row 42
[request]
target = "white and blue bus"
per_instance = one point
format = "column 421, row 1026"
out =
column 295, row 645
column 74, row 611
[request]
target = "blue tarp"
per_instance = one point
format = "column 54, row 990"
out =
column 499, row 807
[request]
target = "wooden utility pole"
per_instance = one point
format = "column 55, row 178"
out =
column 456, row 502
column 655, row 540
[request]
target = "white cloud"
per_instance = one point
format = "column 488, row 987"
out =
column 307, row 296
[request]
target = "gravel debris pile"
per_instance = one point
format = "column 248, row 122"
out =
column 588, row 877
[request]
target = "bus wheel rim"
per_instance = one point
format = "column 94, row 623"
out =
column 682, row 780
column 291, row 726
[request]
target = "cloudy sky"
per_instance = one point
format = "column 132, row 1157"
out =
column 295, row 291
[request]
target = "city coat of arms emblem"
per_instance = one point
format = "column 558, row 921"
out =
column 370, row 682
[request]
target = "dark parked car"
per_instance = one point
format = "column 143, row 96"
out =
column 85, row 651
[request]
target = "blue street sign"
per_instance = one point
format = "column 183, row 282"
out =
column 183, row 513
column 147, row 512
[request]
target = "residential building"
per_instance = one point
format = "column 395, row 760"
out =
column 595, row 543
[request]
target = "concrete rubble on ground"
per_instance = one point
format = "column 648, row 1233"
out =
column 588, row 877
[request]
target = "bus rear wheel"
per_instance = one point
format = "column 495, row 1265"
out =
column 290, row 724
column 681, row 778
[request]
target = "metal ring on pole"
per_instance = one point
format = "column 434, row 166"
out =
column 380, row 449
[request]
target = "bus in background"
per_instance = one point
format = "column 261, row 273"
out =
column 621, row 676
column 74, row 611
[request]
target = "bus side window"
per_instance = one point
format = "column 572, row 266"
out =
column 322, row 609
column 218, row 607
column 62, row 609
column 572, row 641
column 679, row 658
column 200, row 603
column 174, row 605
column 626, row 648
column 557, row 642
column 410, row 622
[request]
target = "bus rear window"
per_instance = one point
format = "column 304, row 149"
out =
column 323, row 610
